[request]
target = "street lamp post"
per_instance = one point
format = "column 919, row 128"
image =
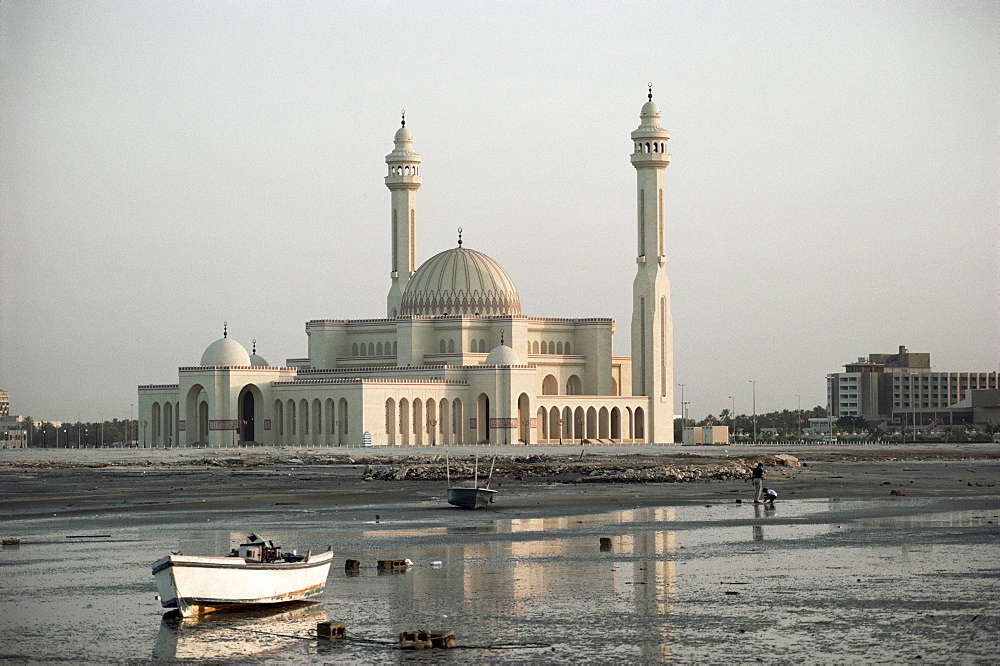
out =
column 798, row 416
column 829, row 406
column 753, row 387
column 732, row 419
column 683, row 423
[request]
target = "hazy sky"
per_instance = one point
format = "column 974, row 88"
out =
column 166, row 166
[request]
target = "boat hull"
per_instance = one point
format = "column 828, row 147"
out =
column 470, row 498
column 199, row 585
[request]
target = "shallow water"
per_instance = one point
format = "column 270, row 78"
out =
column 809, row 580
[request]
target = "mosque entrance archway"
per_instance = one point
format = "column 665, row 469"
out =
column 250, row 400
column 247, row 417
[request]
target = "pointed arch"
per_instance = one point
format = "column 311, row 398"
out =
column 390, row 422
column 343, row 427
column 444, row 422
column 458, row 420
column 317, row 418
column 330, row 429
column 431, row 408
column 524, row 418
column 482, row 418
column 404, row 422
column 155, row 417
column 418, row 422
column 279, row 421
column 542, row 425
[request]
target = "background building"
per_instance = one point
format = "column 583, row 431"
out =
column 902, row 389
column 13, row 429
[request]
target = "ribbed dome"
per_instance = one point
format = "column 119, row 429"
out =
column 502, row 355
column 226, row 351
column 460, row 281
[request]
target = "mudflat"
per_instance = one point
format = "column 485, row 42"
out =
column 537, row 480
column 596, row 554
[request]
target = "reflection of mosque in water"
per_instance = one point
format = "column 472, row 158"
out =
column 549, row 562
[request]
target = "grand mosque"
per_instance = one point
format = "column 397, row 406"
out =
column 454, row 361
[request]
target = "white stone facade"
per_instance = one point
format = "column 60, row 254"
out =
column 453, row 362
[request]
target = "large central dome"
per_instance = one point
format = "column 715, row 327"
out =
column 460, row 281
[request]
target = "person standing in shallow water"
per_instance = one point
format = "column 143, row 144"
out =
column 757, row 477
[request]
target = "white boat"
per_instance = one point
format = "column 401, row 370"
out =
column 255, row 573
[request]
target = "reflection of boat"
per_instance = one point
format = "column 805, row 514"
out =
column 474, row 496
column 236, row 635
column 255, row 573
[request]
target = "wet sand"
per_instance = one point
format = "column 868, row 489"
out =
column 840, row 569
column 39, row 481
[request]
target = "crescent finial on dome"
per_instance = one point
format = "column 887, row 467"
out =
column 225, row 325
column 650, row 91
column 460, row 236
column 403, row 113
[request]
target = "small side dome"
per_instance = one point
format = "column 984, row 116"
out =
column 226, row 351
column 502, row 355
column 255, row 359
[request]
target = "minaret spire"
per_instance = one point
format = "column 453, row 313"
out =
column 652, row 324
column 403, row 181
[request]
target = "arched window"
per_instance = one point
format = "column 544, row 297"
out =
column 550, row 385
column 451, row 346
column 354, row 349
column 574, row 386
column 647, row 146
column 534, row 346
column 441, row 347
column 482, row 346
column 393, row 348
column 378, row 349
column 371, row 348
column 559, row 348
column 566, row 349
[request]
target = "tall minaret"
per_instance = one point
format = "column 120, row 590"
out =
column 652, row 326
column 403, row 180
